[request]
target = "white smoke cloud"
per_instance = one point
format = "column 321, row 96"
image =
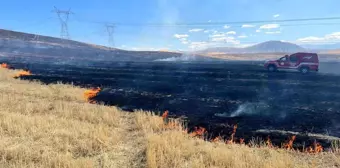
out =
column 247, row 109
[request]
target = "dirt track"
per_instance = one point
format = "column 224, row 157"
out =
column 254, row 98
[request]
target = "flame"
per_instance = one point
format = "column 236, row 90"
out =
column 217, row 139
column 165, row 114
column 23, row 73
column 89, row 94
column 200, row 131
column 241, row 141
column 4, row 65
column 316, row 148
column 269, row 142
column 289, row 145
column 232, row 135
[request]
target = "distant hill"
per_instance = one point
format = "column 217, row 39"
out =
column 275, row 46
column 265, row 47
column 323, row 46
column 19, row 46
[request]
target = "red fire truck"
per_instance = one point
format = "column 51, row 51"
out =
column 303, row 62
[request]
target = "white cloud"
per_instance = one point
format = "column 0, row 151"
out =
column 258, row 31
column 196, row 30
column 273, row 32
column 328, row 38
column 226, row 26
column 247, row 26
column 181, row 36
column 230, row 40
column 269, row 26
column 218, row 35
column 310, row 39
column 333, row 36
column 199, row 45
column 184, row 40
column 242, row 36
column 231, row 32
column 277, row 15
column 208, row 31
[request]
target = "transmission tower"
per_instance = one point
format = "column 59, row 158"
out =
column 110, row 30
column 63, row 18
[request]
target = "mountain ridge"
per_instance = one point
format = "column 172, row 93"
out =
column 264, row 47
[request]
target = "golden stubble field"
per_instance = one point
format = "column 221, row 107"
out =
column 53, row 126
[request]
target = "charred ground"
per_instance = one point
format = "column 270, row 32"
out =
column 257, row 99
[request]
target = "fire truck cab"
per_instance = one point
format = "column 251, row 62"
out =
column 303, row 62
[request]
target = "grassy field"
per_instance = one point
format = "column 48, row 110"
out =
column 52, row 126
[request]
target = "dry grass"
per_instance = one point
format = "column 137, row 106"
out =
column 174, row 148
column 51, row 126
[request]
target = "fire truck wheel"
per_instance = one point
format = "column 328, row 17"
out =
column 304, row 70
column 271, row 68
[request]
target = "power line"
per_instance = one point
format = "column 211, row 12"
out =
column 208, row 23
column 63, row 18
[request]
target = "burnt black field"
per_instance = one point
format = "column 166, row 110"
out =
column 243, row 91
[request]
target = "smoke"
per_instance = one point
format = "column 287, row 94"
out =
column 250, row 109
column 183, row 57
column 257, row 108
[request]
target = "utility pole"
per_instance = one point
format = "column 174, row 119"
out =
column 63, row 18
column 110, row 30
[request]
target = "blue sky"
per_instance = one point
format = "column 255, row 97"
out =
column 86, row 25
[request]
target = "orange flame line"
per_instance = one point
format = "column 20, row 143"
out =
column 23, row 73
column 4, row 65
column 217, row 139
column 89, row 94
column 289, row 145
column 200, row 131
column 269, row 142
column 165, row 114
column 316, row 148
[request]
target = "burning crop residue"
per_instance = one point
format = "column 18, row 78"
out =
column 202, row 133
column 23, row 73
column 232, row 136
column 289, row 144
column 198, row 132
column 269, row 142
column 90, row 94
column 315, row 148
column 4, row 65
